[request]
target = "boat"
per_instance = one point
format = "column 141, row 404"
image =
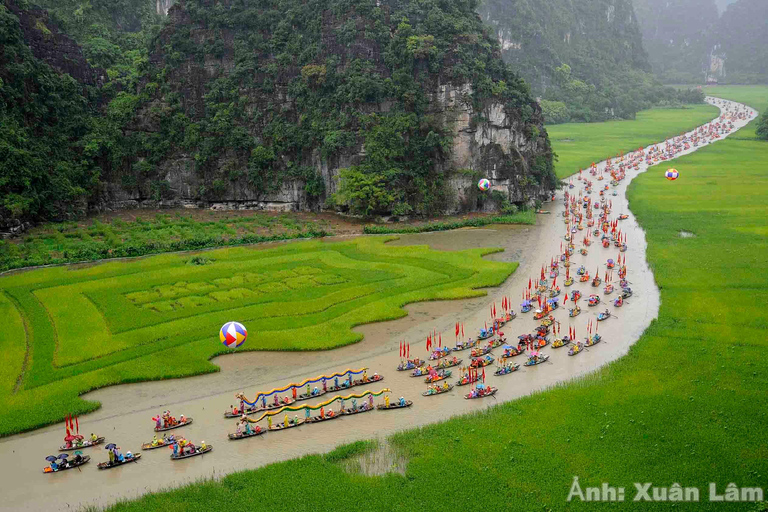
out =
column 243, row 435
column 480, row 352
column 555, row 292
column 561, row 342
column 540, row 313
column 594, row 300
column 495, row 343
column 465, row 346
column 282, row 426
column 608, row 289
column 438, row 377
column 547, row 321
column 195, row 454
column 448, row 364
column 441, row 352
column 411, row 364
column 481, row 362
column 507, row 369
column 569, row 281
column 484, row 335
column 86, row 444
column 594, row 340
column 536, row 360
column 109, row 465
column 179, row 424
column 254, row 410
column 512, row 352
column 618, row 302
column 396, row 405
column 69, row 465
column 603, row 316
column 623, row 216
column 485, row 392
column 360, row 409
column 437, row 390
column 581, row 271
column 330, row 415
column 596, row 281
column 525, row 308
column 576, row 349
column 626, row 293
column 161, row 443
column 574, row 312
column 421, row 372
column 584, row 278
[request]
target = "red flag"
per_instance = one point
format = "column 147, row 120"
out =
column 462, row 330
column 457, row 329
column 483, row 374
column 408, row 355
column 400, row 350
column 494, row 310
column 486, row 326
column 529, row 283
column 77, row 423
column 440, row 340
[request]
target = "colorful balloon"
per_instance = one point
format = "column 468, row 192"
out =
column 671, row 174
column 483, row 185
column 233, row 334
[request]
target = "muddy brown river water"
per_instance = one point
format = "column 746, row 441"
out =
column 126, row 410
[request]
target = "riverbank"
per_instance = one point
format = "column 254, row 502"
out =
column 126, row 408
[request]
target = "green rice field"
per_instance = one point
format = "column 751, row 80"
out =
column 579, row 144
column 68, row 330
column 687, row 405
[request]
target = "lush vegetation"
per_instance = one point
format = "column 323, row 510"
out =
column 682, row 405
column 264, row 117
column 44, row 118
column 69, row 330
column 577, row 144
column 69, row 242
column 681, row 35
column 585, row 58
column 524, row 217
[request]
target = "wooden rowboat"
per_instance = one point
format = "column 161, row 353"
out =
column 86, row 444
column 187, row 421
column 72, row 465
column 330, row 415
column 188, row 455
column 506, row 370
column 541, row 359
column 110, row 465
column 244, row 435
column 383, row 407
column 490, row 392
column 360, row 409
column 281, row 426
column 437, row 391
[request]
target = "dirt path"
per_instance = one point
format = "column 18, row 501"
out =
column 127, row 409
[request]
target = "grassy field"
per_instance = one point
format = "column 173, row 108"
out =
column 579, row 144
column 687, row 404
column 67, row 330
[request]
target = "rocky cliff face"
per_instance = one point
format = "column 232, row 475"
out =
column 49, row 44
column 261, row 108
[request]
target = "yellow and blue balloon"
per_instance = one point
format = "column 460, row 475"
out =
column 233, row 334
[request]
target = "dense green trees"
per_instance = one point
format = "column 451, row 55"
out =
column 44, row 118
column 762, row 126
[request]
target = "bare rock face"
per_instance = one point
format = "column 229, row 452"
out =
column 49, row 44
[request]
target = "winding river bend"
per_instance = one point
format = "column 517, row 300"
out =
column 126, row 410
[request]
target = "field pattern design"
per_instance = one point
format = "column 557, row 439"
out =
column 74, row 329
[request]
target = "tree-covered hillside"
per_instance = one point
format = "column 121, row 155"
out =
column 45, row 116
column 584, row 58
column 689, row 41
column 250, row 100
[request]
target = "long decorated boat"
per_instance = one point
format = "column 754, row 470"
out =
column 282, row 426
column 359, row 410
column 438, row 377
column 254, row 410
column 330, row 415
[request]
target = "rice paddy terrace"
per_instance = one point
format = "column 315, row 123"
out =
column 74, row 329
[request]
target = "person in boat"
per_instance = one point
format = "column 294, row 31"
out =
column 402, row 402
column 175, row 450
column 248, row 429
column 325, row 385
column 78, row 458
column 386, row 401
column 111, row 457
column 182, row 419
column 286, row 421
column 264, row 402
column 277, row 401
column 234, row 410
column 54, row 465
column 315, row 391
column 309, row 391
column 336, row 382
column 365, row 376
column 239, row 429
column 203, row 446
